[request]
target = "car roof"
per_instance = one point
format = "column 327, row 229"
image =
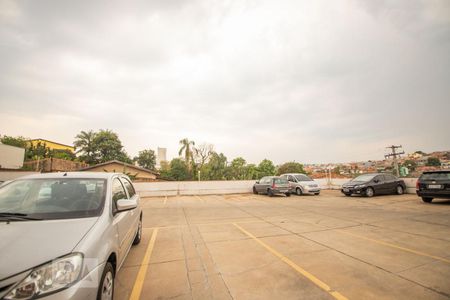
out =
column 94, row 175
column 293, row 174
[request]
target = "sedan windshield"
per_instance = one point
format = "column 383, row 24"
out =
column 302, row 178
column 53, row 198
column 366, row 177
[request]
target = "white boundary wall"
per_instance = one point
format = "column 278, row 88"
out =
column 172, row 188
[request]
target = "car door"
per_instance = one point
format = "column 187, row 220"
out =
column 134, row 213
column 260, row 186
column 121, row 220
column 391, row 183
column 379, row 184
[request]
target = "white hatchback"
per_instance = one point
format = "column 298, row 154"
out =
column 301, row 184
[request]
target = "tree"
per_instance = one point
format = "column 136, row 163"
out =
column 433, row 162
column 291, row 167
column 178, row 170
column 84, row 146
column 99, row 147
column 202, row 154
column 62, row 154
column 146, row 159
column 18, row 141
column 186, row 148
column 107, row 146
column 266, row 168
column 215, row 168
column 237, row 170
column 251, row 172
column 410, row 164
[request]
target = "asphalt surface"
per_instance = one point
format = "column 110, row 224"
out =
column 299, row 247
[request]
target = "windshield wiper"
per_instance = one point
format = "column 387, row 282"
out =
column 16, row 216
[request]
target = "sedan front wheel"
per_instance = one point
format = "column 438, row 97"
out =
column 106, row 288
column 369, row 192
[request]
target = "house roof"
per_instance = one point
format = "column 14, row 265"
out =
column 120, row 163
column 48, row 141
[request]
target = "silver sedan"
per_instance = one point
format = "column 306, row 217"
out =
column 65, row 235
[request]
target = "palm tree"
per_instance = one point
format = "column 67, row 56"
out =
column 84, row 145
column 186, row 148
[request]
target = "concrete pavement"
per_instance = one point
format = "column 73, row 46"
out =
column 299, row 247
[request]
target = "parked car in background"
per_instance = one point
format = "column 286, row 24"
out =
column 65, row 235
column 272, row 185
column 433, row 184
column 374, row 184
column 302, row 184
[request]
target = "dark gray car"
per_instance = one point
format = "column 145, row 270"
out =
column 374, row 184
column 272, row 185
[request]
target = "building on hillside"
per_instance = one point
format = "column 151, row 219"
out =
column 161, row 156
column 51, row 145
column 11, row 157
column 134, row 172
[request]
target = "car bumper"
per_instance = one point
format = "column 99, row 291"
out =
column 352, row 191
column 85, row 289
column 281, row 191
column 433, row 194
column 311, row 190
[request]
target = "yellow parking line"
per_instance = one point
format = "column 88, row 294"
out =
column 137, row 288
column 395, row 246
column 296, row 267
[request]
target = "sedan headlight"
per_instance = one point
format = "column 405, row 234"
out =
column 359, row 186
column 48, row 278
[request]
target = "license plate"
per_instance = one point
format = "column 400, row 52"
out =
column 434, row 186
column 346, row 190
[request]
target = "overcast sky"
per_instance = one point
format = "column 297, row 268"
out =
column 310, row 81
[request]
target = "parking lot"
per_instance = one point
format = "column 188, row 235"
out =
column 299, row 247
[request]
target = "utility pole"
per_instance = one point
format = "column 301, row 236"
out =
column 394, row 154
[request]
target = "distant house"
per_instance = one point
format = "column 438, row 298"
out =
column 134, row 172
column 51, row 145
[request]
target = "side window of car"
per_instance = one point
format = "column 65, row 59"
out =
column 118, row 193
column 380, row 178
column 129, row 187
column 290, row 178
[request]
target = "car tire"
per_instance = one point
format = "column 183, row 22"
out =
column 347, row 194
column 399, row 190
column 106, row 287
column 298, row 191
column 427, row 199
column 317, row 194
column 369, row 192
column 255, row 191
column 270, row 193
column 137, row 238
column 288, row 194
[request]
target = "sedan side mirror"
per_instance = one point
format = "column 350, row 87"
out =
column 257, row 181
column 376, row 180
column 126, row 204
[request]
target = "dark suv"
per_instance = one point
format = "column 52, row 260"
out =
column 433, row 184
column 372, row 184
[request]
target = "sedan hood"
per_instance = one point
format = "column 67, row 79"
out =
column 27, row 244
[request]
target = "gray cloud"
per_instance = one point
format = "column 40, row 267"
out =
column 287, row 80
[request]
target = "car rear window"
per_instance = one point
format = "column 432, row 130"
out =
column 280, row 180
column 436, row 176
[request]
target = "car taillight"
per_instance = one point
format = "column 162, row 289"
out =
column 417, row 185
